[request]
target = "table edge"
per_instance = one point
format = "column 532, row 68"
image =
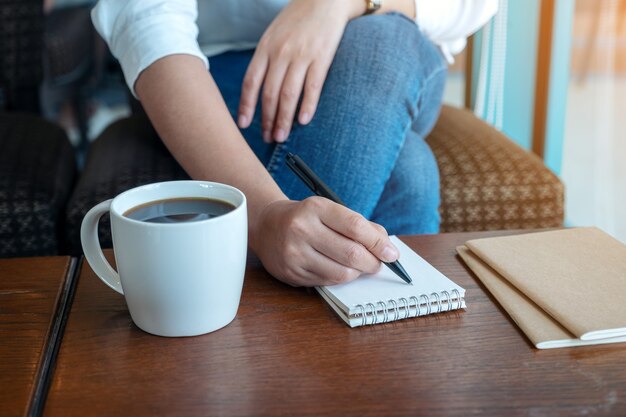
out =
column 53, row 338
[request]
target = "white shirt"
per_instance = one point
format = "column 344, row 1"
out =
column 139, row 32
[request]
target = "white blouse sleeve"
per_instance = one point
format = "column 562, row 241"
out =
column 139, row 32
column 448, row 23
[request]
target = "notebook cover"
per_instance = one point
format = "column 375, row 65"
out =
column 543, row 331
column 577, row 276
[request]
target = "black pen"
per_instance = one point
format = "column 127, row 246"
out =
column 316, row 185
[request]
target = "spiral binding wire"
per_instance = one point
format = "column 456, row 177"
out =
column 412, row 307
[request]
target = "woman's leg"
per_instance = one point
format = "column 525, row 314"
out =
column 369, row 101
column 410, row 201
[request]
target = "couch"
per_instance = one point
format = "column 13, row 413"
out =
column 37, row 162
column 487, row 181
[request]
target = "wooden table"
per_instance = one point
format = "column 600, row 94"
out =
column 33, row 292
column 287, row 354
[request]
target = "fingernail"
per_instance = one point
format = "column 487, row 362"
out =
column 281, row 135
column 305, row 118
column 243, row 121
column 267, row 136
column 390, row 254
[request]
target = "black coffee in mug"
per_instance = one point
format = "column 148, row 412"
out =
column 179, row 210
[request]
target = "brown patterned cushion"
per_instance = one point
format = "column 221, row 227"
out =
column 487, row 181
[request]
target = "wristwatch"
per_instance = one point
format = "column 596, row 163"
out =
column 372, row 6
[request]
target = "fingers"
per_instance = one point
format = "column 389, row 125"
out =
column 315, row 78
column 321, row 270
column 297, row 78
column 270, row 96
column 345, row 251
column 288, row 101
column 354, row 226
column 312, row 238
column 252, row 81
column 282, row 85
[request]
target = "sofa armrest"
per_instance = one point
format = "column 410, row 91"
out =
column 487, row 181
column 37, row 171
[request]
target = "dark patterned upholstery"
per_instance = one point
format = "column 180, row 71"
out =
column 127, row 154
column 69, row 43
column 21, row 45
column 487, row 181
column 37, row 169
column 69, row 58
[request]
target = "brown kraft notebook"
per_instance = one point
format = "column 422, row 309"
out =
column 563, row 288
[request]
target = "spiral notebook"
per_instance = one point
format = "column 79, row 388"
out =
column 384, row 297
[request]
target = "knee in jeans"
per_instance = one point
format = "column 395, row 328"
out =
column 389, row 46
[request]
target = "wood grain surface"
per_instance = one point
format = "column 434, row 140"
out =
column 29, row 290
column 287, row 354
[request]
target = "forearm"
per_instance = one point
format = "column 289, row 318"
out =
column 189, row 114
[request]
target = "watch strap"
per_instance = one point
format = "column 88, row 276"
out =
column 372, row 6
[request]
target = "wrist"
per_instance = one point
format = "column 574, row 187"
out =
column 258, row 219
column 354, row 8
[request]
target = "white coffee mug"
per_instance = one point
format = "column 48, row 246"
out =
column 179, row 279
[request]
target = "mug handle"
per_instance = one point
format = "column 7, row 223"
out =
column 93, row 251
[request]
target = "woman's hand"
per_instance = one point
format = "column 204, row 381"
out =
column 318, row 242
column 292, row 60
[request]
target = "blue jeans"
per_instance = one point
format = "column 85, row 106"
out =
column 381, row 97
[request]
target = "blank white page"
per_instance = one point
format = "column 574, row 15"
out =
column 386, row 285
